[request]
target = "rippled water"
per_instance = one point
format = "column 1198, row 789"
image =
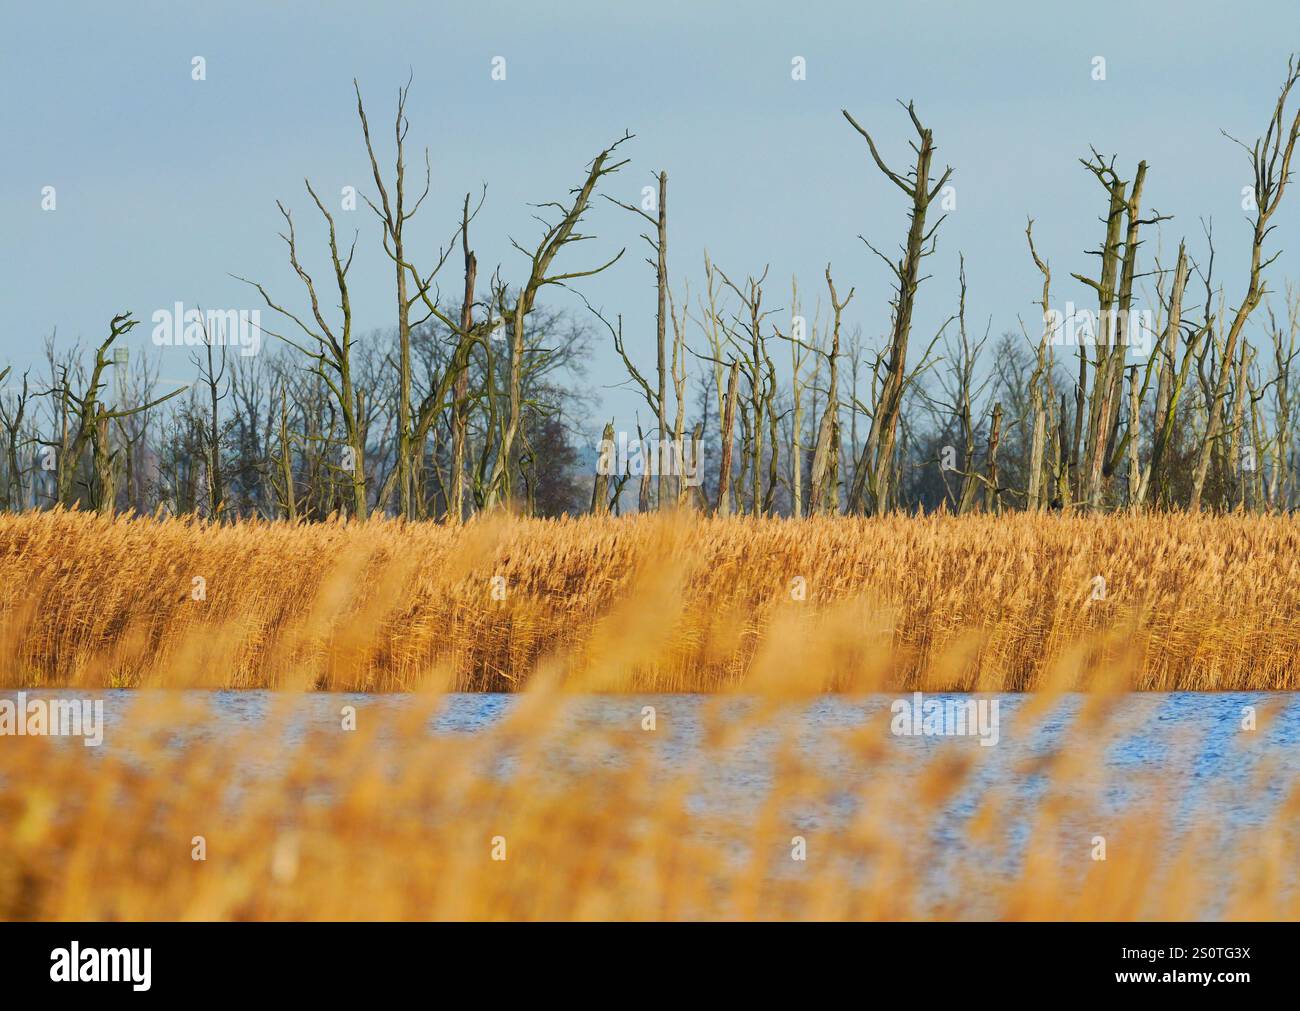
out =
column 1187, row 751
column 1192, row 744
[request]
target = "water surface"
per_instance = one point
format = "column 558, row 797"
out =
column 1185, row 754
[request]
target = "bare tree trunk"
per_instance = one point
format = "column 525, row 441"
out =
column 1134, row 460
column 773, row 432
column 1270, row 183
column 1042, row 376
column 875, row 470
column 727, row 435
column 1058, row 489
column 604, row 467
column 460, row 406
column 394, row 217
column 13, row 424
column 993, row 492
column 826, row 484
column 677, row 367
column 1114, row 287
column 1174, row 382
column 661, row 336
column 286, row 462
column 798, row 353
column 106, row 484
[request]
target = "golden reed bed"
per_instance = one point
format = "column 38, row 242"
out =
column 689, row 604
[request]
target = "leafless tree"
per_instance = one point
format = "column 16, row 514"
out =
column 88, row 420
column 555, row 236
column 331, row 357
column 1270, row 159
column 872, row 487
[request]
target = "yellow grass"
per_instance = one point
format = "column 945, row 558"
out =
column 1198, row 603
column 388, row 821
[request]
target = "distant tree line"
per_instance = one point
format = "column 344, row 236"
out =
column 1154, row 398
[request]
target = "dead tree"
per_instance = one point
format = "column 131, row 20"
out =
column 1040, row 393
column 89, row 418
column 465, row 335
column 963, row 392
column 282, row 466
column 669, row 457
column 331, row 357
column 1253, row 476
column 1058, row 490
column 211, row 375
column 873, row 486
column 659, row 245
column 554, row 238
column 460, row 407
column 1175, row 373
column 394, row 215
column 799, row 351
column 1285, row 350
column 749, row 339
column 1270, row 160
column 1169, row 385
column 727, row 435
column 993, row 493
column 604, row 468
column 1114, row 288
column 1089, row 471
column 677, row 369
column 825, row 496
column 12, row 419
column 710, row 324
column 661, row 286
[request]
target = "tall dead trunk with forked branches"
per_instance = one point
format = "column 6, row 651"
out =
column 873, row 483
column 1270, row 160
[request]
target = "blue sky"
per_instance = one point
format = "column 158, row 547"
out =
column 166, row 185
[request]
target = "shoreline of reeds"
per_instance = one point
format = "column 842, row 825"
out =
column 688, row 603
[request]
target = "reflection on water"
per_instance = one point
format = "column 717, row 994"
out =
column 1185, row 753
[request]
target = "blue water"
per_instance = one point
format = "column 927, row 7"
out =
column 1184, row 754
column 1192, row 744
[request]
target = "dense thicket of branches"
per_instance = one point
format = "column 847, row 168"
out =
column 264, row 436
column 1170, row 393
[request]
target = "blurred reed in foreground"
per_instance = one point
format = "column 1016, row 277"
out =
column 548, row 816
